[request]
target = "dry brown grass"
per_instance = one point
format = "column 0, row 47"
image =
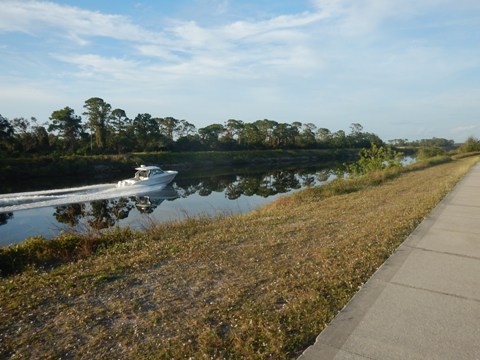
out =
column 258, row 285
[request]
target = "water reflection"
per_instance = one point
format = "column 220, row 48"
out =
column 147, row 203
column 4, row 217
column 105, row 213
column 261, row 184
column 100, row 214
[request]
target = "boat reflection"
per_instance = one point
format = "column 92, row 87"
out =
column 106, row 213
column 102, row 214
column 147, row 203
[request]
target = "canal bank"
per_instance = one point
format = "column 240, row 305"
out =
column 424, row 302
column 257, row 285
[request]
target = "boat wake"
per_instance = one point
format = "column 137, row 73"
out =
column 57, row 197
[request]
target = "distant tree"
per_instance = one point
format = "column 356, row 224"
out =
column 169, row 126
column 118, row 138
column 98, row 112
column 307, row 136
column 20, row 125
column 6, row 133
column 119, row 121
column 284, row 135
column 323, row 137
column 42, row 140
column 251, row 137
column 356, row 129
column 189, row 143
column 339, row 139
column 210, row 135
column 370, row 138
column 440, row 142
column 185, row 129
column 234, row 129
column 68, row 125
column 470, row 145
column 266, row 128
column 147, row 133
column 25, row 140
column 398, row 142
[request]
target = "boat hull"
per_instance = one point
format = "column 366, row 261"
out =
column 162, row 179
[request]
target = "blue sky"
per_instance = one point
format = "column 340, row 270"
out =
column 401, row 68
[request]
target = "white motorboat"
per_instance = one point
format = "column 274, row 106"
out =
column 149, row 175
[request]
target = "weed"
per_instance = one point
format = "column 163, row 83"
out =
column 256, row 285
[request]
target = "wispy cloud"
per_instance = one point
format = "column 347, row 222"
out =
column 465, row 129
column 181, row 45
column 39, row 17
column 358, row 60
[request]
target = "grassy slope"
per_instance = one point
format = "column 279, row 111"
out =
column 253, row 285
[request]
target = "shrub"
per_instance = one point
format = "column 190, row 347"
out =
column 375, row 158
column 429, row 152
column 472, row 144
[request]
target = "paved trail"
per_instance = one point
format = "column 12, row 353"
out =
column 424, row 302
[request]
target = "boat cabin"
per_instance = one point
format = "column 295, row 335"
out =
column 145, row 172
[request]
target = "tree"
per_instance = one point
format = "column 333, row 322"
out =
column 284, row 134
column 42, row 140
column 68, row 125
column 98, row 112
column 169, row 126
column 375, row 158
column 324, row 137
column 251, row 136
column 186, row 129
column 119, row 121
column 234, row 129
column 339, row 139
column 118, row 127
column 25, row 139
column 356, row 129
column 266, row 128
column 147, row 133
column 307, row 136
column 20, row 125
column 6, row 132
column 398, row 142
column 472, row 144
column 210, row 135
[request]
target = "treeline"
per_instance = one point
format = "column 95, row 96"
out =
column 107, row 130
column 433, row 142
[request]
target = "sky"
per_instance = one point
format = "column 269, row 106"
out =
column 401, row 68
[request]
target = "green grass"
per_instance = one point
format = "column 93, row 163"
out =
column 257, row 285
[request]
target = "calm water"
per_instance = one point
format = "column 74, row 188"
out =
column 100, row 206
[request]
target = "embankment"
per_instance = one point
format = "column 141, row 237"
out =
column 257, row 285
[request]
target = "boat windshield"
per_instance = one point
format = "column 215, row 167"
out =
column 141, row 174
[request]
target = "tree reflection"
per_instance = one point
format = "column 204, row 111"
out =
column 102, row 214
column 4, row 217
column 100, row 217
column 70, row 214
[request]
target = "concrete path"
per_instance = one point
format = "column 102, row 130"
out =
column 424, row 302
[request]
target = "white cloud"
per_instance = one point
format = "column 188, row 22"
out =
column 93, row 65
column 243, row 29
column 38, row 17
column 334, row 61
column 182, row 47
column 465, row 129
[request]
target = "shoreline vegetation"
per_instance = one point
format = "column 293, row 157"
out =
column 256, row 285
column 11, row 169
